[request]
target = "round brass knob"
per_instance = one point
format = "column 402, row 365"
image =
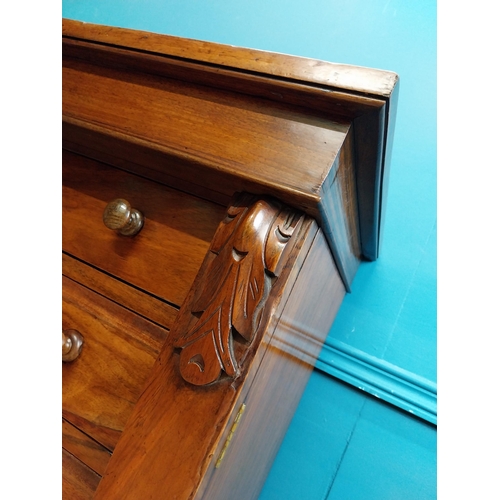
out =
column 72, row 342
column 121, row 217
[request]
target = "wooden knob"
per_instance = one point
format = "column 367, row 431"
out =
column 72, row 342
column 121, row 217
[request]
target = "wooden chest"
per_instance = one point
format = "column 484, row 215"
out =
column 249, row 187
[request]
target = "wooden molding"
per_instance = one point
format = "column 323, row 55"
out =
column 246, row 256
column 327, row 127
column 177, row 127
column 272, row 399
column 369, row 81
column 181, row 427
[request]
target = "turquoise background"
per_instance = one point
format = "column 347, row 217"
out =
column 343, row 443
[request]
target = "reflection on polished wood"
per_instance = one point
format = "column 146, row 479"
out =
column 202, row 416
column 221, row 302
column 84, row 448
column 181, row 235
column 234, row 124
column 102, row 386
column 247, row 254
column 78, row 480
column 145, row 305
column 312, row 304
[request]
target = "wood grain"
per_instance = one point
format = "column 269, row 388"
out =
column 283, row 374
column 305, row 96
column 209, row 120
column 341, row 220
column 223, row 151
column 121, row 217
column 101, row 386
column 334, row 92
column 153, row 460
column 79, row 482
column 84, row 448
column 245, row 259
column 165, row 256
column 269, row 142
column 156, row 310
column 367, row 80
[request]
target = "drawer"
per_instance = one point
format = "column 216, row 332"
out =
column 240, row 309
column 78, row 481
column 164, row 257
column 101, row 387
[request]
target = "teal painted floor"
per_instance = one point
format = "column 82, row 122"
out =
column 343, row 444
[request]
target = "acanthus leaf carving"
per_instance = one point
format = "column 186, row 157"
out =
column 249, row 250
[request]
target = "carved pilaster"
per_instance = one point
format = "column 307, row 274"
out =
column 246, row 256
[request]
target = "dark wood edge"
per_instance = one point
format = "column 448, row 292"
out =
column 364, row 96
column 149, row 426
column 290, row 356
column 391, row 111
column 366, row 81
column 86, row 449
column 78, row 131
column 217, row 329
column 138, row 301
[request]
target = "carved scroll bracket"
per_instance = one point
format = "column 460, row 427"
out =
column 247, row 254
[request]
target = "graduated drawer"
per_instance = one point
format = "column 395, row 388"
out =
column 164, row 257
column 101, row 387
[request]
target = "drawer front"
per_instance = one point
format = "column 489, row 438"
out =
column 164, row 257
column 79, row 482
column 101, row 387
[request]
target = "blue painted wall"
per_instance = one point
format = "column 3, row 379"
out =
column 343, row 443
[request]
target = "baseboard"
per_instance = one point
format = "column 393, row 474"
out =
column 383, row 380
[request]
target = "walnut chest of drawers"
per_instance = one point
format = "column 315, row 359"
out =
column 216, row 204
